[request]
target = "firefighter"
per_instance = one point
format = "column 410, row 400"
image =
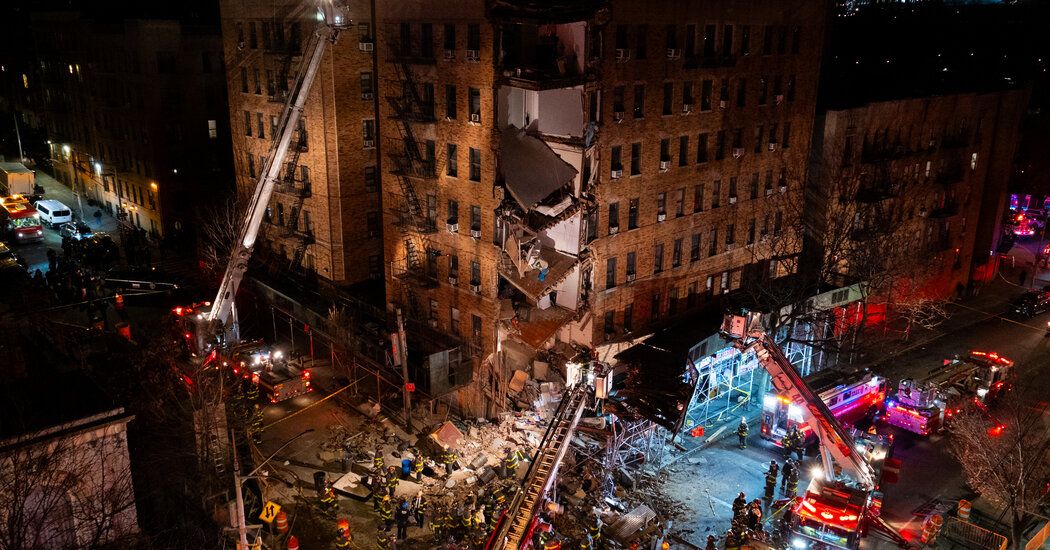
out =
column 739, row 503
column 741, row 431
column 386, row 513
column 391, row 480
column 377, row 460
column 448, row 458
column 328, row 501
column 417, row 466
column 586, row 543
column 771, row 479
column 378, row 490
column 792, row 483
column 382, row 539
column 711, row 543
column 785, row 473
column 509, row 466
column 437, row 524
column 754, row 515
column 595, row 531
column 343, row 538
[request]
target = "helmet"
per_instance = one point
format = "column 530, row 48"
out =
column 741, row 495
column 387, row 498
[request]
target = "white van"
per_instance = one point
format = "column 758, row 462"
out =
column 53, row 213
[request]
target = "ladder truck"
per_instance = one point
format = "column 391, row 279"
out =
column 218, row 325
column 853, row 397
column 843, row 501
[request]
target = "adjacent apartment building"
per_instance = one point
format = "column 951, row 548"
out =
column 134, row 111
column 324, row 219
column 571, row 174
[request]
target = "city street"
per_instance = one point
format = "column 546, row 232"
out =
column 35, row 254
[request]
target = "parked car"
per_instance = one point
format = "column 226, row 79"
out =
column 141, row 279
column 9, row 260
column 1031, row 303
column 77, row 231
column 53, row 213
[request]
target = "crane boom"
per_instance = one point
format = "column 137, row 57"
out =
column 836, row 446
column 223, row 312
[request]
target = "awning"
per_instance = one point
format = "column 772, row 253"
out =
column 531, row 169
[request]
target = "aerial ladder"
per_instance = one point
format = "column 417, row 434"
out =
column 846, row 462
column 513, row 531
column 219, row 324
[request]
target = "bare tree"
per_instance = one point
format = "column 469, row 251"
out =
column 1008, row 466
column 218, row 228
column 74, row 491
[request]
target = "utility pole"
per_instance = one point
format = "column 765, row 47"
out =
column 18, row 135
column 402, row 345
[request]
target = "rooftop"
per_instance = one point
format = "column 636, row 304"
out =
column 34, row 404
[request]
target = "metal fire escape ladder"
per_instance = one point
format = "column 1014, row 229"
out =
column 222, row 311
column 542, row 471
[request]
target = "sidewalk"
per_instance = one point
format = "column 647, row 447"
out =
column 53, row 189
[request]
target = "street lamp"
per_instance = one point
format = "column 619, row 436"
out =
column 238, row 480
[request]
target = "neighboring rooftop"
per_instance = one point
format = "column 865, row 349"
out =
column 33, row 404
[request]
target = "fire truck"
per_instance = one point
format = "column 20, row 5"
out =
column 21, row 222
column 967, row 383
column 852, row 397
column 267, row 368
column 844, row 499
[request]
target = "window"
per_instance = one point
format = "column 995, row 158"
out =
column 370, row 179
column 687, row 95
column 273, row 125
column 778, row 87
column 709, row 41
column 665, row 150
column 253, row 40
column 769, row 181
column 427, row 41
column 449, row 37
column 610, row 327
column 618, row 99
column 668, row 97
column 781, row 40
column 366, row 85
column 304, row 175
column 475, row 164
column 738, row 138
column 636, row 159
column 432, row 210
column 614, row 217
column 616, row 158
column 767, row 40
column 251, row 166
column 474, row 36
column 260, row 126
column 453, row 266
column 698, row 198
column 786, row 142
column 610, row 273
column 765, row 226
column 453, row 211
column 280, row 214
column 759, row 133
column 732, row 187
column 690, row 41
column 741, row 92
column 791, row 88
column 751, row 232
column 661, row 203
column 655, row 305
column 730, row 234
column 671, row 33
column 712, row 243
column 368, row 133
column 213, row 129
column 723, row 93
column 475, row 273
column 451, row 168
column 364, row 32
column 453, row 318
column 433, row 309
column 631, row 257
column 405, row 43
column 754, row 186
column 745, row 40
column 676, row 253
column 720, row 145
column 247, row 124
column 705, row 96
column 701, row 148
column 778, row 221
column 474, row 104
column 694, row 248
column 240, row 33
column 266, row 36
column 639, row 101
column 672, row 301
column 773, row 133
column 679, row 203
column 683, row 150
column 628, row 311
column 450, row 102
column 632, row 214
column 244, row 80
column 716, row 194
column 255, row 81
column 763, row 89
column 641, row 39
column 621, row 37
column 658, row 258
column 727, row 40
column 796, row 39
column 475, row 218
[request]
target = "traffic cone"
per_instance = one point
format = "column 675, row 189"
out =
column 293, row 543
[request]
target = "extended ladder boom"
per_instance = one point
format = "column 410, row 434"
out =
column 222, row 311
column 836, row 446
column 542, row 471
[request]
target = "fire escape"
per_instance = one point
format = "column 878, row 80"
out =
column 412, row 162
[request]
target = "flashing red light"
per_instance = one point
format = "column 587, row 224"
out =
column 410, row 387
column 178, row 311
column 306, row 374
column 996, row 431
column 187, row 336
